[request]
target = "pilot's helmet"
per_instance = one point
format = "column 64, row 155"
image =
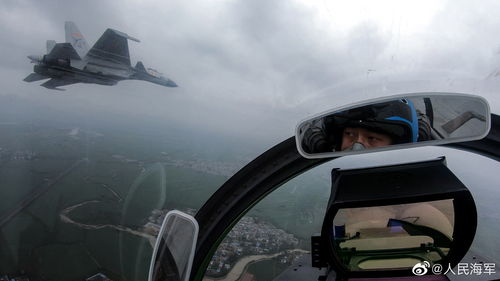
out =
column 397, row 118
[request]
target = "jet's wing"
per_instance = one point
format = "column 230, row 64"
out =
column 63, row 51
column 50, row 45
column 54, row 83
column 112, row 46
column 35, row 77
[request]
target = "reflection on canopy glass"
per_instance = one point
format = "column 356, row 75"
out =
column 402, row 120
column 393, row 236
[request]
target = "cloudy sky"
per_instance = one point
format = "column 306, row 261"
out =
column 243, row 64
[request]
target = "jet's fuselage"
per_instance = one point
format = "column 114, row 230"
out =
column 61, row 69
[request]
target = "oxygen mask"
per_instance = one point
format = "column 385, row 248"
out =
column 355, row 147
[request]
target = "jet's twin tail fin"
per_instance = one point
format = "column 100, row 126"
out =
column 63, row 51
column 75, row 38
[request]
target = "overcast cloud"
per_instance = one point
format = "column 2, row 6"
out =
column 241, row 64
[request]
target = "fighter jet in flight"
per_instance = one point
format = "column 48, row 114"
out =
column 106, row 63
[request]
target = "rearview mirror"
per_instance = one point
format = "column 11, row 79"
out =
column 393, row 123
column 174, row 248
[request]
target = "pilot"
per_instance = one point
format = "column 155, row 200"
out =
column 378, row 125
column 358, row 138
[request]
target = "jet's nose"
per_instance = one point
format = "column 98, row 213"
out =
column 171, row 83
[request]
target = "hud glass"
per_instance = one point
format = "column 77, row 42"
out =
column 393, row 236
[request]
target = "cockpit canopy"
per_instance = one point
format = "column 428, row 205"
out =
column 154, row 72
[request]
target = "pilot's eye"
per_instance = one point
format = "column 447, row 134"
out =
column 375, row 138
column 349, row 133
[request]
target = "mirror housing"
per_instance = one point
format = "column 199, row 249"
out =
column 395, row 122
column 174, row 248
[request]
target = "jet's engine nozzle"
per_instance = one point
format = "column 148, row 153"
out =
column 35, row 59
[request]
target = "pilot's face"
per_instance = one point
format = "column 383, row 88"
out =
column 367, row 138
